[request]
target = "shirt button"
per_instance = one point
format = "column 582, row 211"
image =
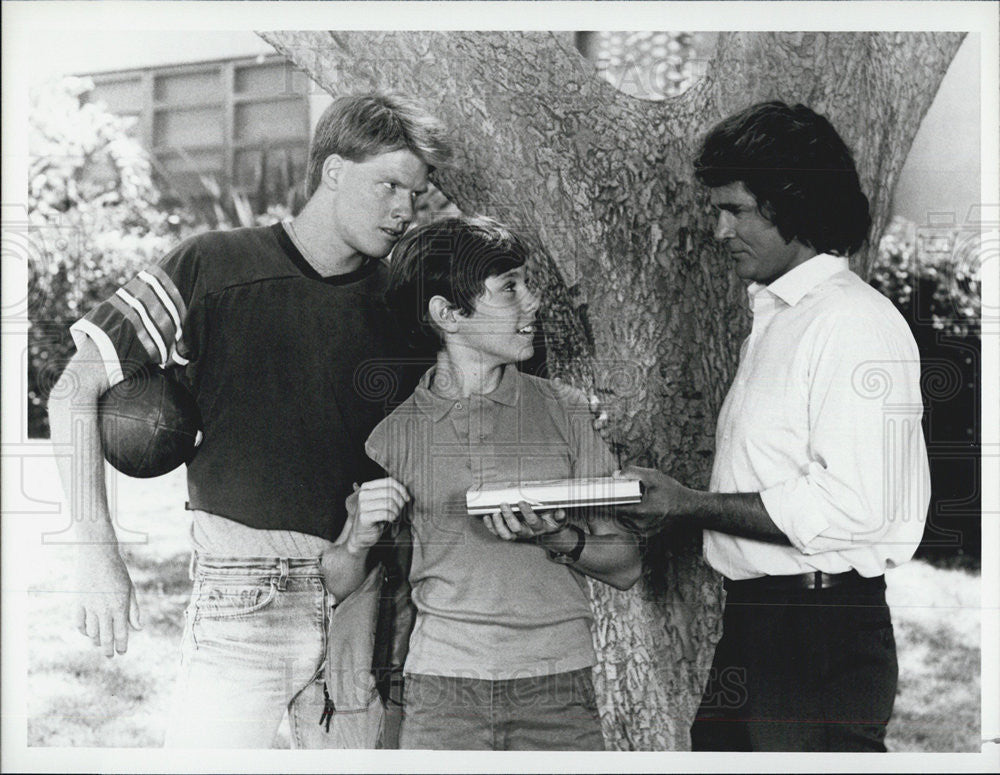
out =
column 458, row 406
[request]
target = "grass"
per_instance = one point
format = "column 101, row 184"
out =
column 79, row 698
column 936, row 613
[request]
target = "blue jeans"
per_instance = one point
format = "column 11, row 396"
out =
column 555, row 712
column 254, row 642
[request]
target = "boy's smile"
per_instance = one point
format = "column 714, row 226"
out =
column 501, row 329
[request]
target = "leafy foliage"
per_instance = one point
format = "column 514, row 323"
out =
column 932, row 276
column 95, row 218
column 933, row 273
column 93, row 221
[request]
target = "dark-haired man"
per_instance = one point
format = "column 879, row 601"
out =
column 270, row 326
column 820, row 480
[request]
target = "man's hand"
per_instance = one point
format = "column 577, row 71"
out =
column 507, row 525
column 370, row 508
column 108, row 605
column 665, row 502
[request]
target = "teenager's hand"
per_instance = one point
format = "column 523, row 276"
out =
column 107, row 603
column 509, row 526
column 370, row 508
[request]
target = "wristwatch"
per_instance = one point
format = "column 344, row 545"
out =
column 568, row 558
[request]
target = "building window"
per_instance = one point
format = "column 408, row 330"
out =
column 218, row 128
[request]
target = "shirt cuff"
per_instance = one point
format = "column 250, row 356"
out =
column 794, row 516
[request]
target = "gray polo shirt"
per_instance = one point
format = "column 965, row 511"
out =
column 489, row 608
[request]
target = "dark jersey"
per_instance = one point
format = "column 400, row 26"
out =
column 291, row 371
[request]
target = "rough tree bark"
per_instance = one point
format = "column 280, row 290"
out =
column 641, row 308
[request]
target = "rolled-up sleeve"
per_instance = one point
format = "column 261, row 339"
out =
column 867, row 479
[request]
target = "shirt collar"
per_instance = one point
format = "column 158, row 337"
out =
column 437, row 406
column 797, row 282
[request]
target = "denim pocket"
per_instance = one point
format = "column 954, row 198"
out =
column 221, row 611
column 231, row 601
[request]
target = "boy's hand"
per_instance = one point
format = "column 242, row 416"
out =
column 370, row 508
column 507, row 525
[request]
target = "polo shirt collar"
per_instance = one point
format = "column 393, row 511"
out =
column 794, row 284
column 437, row 406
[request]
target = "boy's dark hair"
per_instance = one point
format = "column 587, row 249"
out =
column 357, row 126
column 451, row 258
column 799, row 170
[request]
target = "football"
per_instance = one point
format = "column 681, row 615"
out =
column 150, row 424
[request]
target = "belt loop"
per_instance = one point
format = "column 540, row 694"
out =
column 818, row 579
column 283, row 574
column 192, row 563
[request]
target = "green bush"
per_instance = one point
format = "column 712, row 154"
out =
column 932, row 276
column 93, row 222
column 95, row 218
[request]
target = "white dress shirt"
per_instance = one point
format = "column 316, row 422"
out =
column 823, row 420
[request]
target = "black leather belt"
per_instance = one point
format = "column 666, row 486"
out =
column 814, row 580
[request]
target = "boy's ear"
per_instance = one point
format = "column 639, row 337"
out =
column 332, row 167
column 442, row 314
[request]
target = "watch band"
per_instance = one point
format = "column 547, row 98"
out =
column 568, row 558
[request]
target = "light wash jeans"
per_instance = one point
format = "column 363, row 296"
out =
column 254, row 643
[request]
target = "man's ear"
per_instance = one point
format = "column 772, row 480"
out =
column 442, row 314
column 333, row 166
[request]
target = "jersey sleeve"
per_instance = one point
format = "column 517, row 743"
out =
column 147, row 320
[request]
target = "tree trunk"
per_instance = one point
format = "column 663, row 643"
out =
column 642, row 308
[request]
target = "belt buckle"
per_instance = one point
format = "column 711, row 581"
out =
column 821, row 580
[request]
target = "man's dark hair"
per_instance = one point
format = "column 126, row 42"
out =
column 799, row 170
column 451, row 258
column 359, row 126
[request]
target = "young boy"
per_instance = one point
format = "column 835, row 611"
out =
column 501, row 652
